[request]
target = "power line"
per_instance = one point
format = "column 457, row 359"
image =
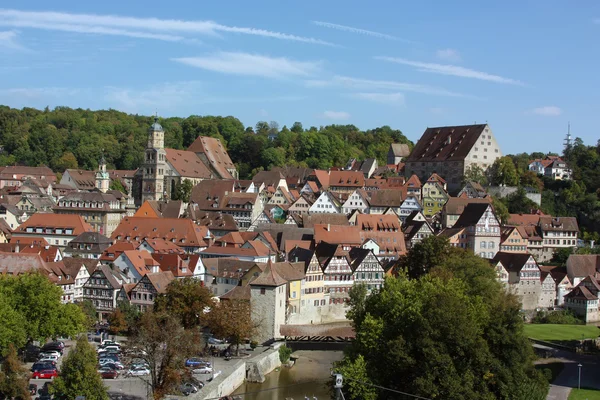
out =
column 388, row 389
column 269, row 389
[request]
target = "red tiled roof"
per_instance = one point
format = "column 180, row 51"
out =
column 182, row 232
column 354, row 179
column 141, row 260
column 163, row 246
column 175, row 263
column 47, row 220
column 446, row 143
column 337, row 234
column 116, row 250
column 215, row 153
column 188, row 164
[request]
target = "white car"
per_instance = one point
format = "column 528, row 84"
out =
column 110, row 343
column 138, row 372
column 50, row 353
column 202, row 370
column 49, row 358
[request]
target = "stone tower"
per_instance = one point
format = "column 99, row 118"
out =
column 102, row 177
column 155, row 165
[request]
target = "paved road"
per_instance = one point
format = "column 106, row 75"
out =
column 569, row 376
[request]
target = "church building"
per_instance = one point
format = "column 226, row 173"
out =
column 206, row 158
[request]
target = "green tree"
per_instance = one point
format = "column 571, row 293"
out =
column 474, row 173
column 78, row 375
column 38, row 301
column 117, row 321
column 116, row 184
column 188, row 300
column 183, row 190
column 501, row 210
column 130, row 312
column 503, row 172
column 67, row 161
column 428, row 253
column 518, row 202
column 356, row 387
column 530, row 178
column 161, row 341
column 89, row 310
column 357, row 303
column 12, row 326
column 561, row 256
column 14, row 379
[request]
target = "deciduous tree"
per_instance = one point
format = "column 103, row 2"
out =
column 474, row 173
column 188, row 300
column 89, row 310
column 161, row 341
column 12, row 326
column 117, row 322
column 503, row 172
column 14, row 379
column 428, row 253
column 232, row 319
column 78, row 375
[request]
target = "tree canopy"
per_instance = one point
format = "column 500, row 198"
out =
column 188, row 300
column 452, row 333
column 14, row 378
column 74, row 138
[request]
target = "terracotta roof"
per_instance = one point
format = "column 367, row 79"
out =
column 187, row 164
column 255, row 249
column 302, row 244
column 174, row 263
column 48, row 253
column 36, row 172
column 413, row 182
column 337, row 234
column 281, row 233
column 182, row 232
column 84, row 180
column 268, row 178
column 548, row 223
column 313, row 186
column 298, row 174
column 215, row 153
column 227, row 267
column 530, row 233
column 390, row 243
column 28, row 241
column 206, row 192
column 354, row 179
column 64, row 221
column 387, row 198
column 456, row 205
column 289, row 271
column 450, row 232
column 557, row 273
column 524, row 219
column 269, row 277
column 162, row 246
column 127, row 287
column 581, row 293
column 378, row 222
column 162, row 209
column 213, row 220
column 116, row 250
column 380, row 183
column 75, row 263
column 141, row 260
column 160, row 280
column 436, row 178
column 322, row 178
column 309, row 221
column 446, row 143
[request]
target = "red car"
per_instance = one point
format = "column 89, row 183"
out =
column 108, row 373
column 45, row 374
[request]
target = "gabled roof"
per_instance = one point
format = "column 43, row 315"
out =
column 335, row 234
column 471, row 214
column 211, row 191
column 116, row 250
column 75, row 263
column 141, row 260
column 84, row 180
column 213, row 220
column 548, row 223
column 376, row 222
column 446, row 143
column 269, row 277
column 113, row 276
column 581, row 293
column 182, row 232
column 322, row 179
column 346, row 179
column 413, row 182
column 63, row 221
column 162, row 246
column 238, row 293
column 8, row 172
column 524, row 219
column 215, row 153
column 187, row 164
column 512, row 262
column 310, row 220
column 580, row 265
column 176, row 263
column 160, row 280
column 19, row 263
column 456, row 205
column 268, row 178
column 387, row 198
column 436, row 178
column 92, row 238
column 160, row 209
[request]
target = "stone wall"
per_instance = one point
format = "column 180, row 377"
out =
column 503, row 191
column 318, row 315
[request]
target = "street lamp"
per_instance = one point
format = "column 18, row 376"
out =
column 579, row 380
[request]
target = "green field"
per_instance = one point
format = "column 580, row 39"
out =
column 584, row 394
column 555, row 332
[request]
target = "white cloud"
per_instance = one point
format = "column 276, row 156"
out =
column 370, row 84
column 148, row 100
column 336, row 115
column 40, row 92
column 448, row 55
column 252, row 65
column 360, row 31
column 547, row 111
column 8, row 40
column 147, row 28
column 452, row 70
column 385, row 98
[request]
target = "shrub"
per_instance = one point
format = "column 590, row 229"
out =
column 556, row 317
column 284, row 354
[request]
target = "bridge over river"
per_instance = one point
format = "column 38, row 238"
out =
column 334, row 336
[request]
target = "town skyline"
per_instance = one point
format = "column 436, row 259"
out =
column 408, row 67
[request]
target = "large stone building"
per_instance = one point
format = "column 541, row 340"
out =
column 162, row 169
column 451, row 150
column 103, row 211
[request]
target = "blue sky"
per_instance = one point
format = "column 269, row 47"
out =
column 525, row 67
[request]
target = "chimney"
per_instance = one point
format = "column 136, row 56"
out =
column 328, row 227
column 296, row 259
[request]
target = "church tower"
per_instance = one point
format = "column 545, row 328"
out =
column 102, row 177
column 155, row 165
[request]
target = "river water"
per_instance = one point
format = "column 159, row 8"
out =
column 309, row 377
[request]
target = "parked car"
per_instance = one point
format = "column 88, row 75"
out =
column 49, row 353
column 113, row 365
column 37, row 366
column 111, row 348
column 110, row 343
column 108, row 373
column 45, row 374
column 139, row 371
column 48, row 358
column 32, row 389
column 53, row 346
column 196, row 362
column 188, row 388
column 109, row 357
column 205, row 369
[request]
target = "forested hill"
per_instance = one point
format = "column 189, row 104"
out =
column 75, row 138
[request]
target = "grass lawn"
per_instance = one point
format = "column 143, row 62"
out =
column 557, row 332
column 584, row 394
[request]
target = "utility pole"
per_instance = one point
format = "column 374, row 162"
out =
column 339, row 380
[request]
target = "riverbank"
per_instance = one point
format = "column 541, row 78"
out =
column 309, row 376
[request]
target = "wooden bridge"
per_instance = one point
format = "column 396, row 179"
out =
column 324, row 333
